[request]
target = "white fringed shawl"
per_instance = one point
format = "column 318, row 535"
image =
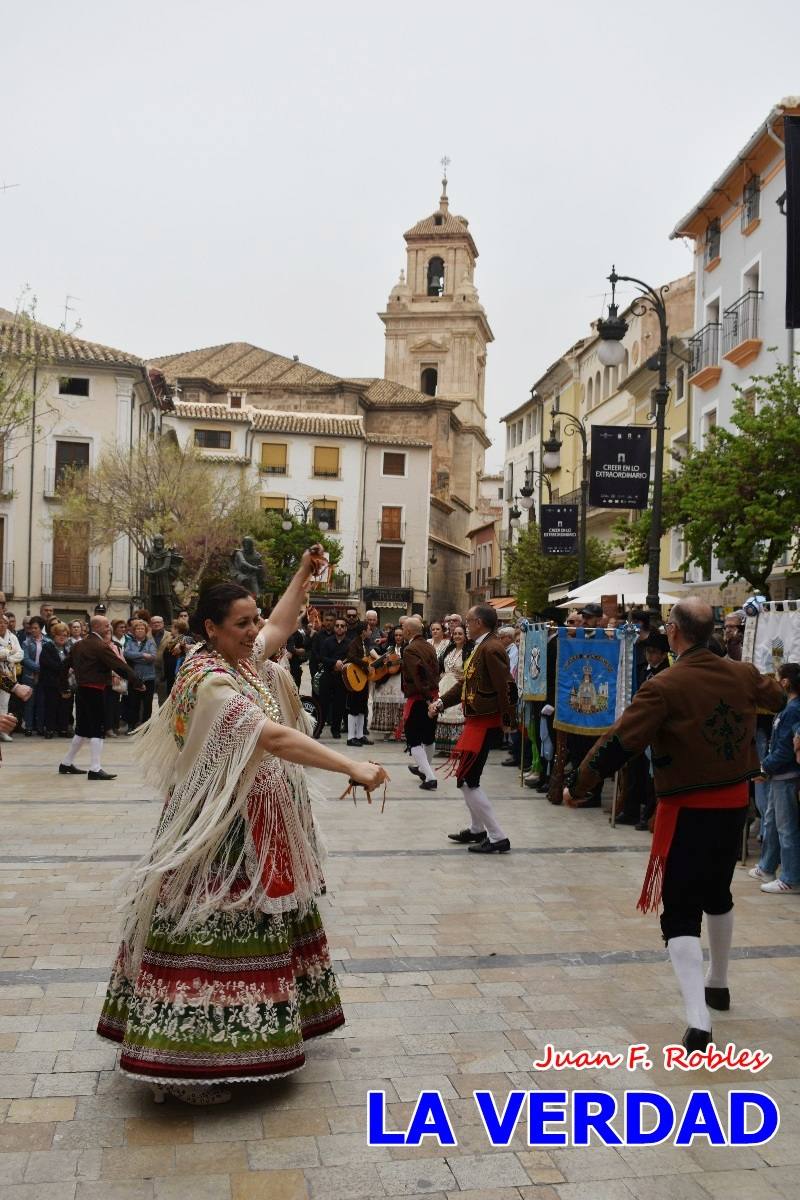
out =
column 202, row 749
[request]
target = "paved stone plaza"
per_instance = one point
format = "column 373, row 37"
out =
column 455, row 970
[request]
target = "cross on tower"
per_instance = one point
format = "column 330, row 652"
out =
column 445, row 161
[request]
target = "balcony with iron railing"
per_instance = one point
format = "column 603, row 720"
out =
column 272, row 469
column 333, row 473
column 71, row 578
column 7, row 579
column 740, row 340
column 7, row 479
column 704, row 350
column 337, row 585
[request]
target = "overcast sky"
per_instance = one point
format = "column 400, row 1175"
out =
column 196, row 172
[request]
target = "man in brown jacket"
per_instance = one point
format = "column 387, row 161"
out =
column 419, row 675
column 699, row 719
column 486, row 700
column 92, row 660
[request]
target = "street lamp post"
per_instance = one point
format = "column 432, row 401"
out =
column 301, row 510
column 551, row 461
column 526, row 500
column 610, row 352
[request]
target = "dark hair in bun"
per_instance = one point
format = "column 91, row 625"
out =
column 214, row 604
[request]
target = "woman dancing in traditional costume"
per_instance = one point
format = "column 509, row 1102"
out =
column 450, row 724
column 224, row 972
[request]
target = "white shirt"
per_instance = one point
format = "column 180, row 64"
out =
column 10, row 649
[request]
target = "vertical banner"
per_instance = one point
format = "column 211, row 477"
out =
column 620, row 471
column 791, row 136
column 532, row 680
column 591, row 673
column 777, row 636
column 559, row 526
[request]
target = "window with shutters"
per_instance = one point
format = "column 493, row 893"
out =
column 274, row 503
column 273, row 458
column 391, row 523
column 70, row 557
column 394, row 463
column 390, row 566
column 70, row 456
column 213, row 439
column 326, row 462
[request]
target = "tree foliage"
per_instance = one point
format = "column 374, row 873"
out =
column 531, row 573
column 22, row 381
column 158, row 487
column 282, row 549
column 738, row 497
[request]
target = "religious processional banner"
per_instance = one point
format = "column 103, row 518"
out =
column 773, row 637
column 559, row 526
column 532, row 666
column 620, row 476
column 594, row 679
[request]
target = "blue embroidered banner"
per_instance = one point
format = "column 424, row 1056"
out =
column 591, row 678
column 532, row 678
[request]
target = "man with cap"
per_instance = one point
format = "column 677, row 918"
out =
column 640, row 797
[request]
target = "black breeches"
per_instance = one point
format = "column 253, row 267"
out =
column 699, row 868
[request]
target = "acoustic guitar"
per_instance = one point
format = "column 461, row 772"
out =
column 356, row 675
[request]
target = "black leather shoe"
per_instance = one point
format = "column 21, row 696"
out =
column 509, row 762
column 543, row 786
column 464, row 836
column 696, row 1039
column 416, row 771
column 365, row 741
column 643, row 827
column 64, row 769
column 487, row 847
column 623, row 820
column 429, row 785
column 718, row 998
column 353, row 742
column 101, row 775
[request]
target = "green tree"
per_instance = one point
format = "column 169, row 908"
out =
column 282, row 549
column 23, row 380
column 531, row 573
column 738, row 497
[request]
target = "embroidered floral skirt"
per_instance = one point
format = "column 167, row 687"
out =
column 447, row 734
column 233, row 1000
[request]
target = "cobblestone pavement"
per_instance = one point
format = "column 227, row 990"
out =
column 455, row 971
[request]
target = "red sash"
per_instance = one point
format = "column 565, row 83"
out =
column 734, row 795
column 470, row 744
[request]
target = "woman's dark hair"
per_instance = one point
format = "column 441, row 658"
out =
column 37, row 621
column 214, row 604
column 466, row 649
column 790, row 671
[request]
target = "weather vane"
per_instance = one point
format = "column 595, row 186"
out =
column 445, row 161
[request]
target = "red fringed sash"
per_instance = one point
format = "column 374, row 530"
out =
column 469, row 745
column 407, row 707
column 735, row 795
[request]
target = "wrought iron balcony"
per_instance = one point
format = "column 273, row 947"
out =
column 267, row 469
column 338, row 584
column 740, row 325
column 72, row 578
column 318, row 473
column 704, row 348
column 389, row 579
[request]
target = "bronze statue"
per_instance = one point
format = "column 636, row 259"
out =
column 247, row 567
column 161, row 567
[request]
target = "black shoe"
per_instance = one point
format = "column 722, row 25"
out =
column 28, row 733
column 336, row 736
column 543, row 786
column 101, row 775
column 623, row 820
column 464, row 836
column 365, row 741
column 487, row 847
column 510, row 762
column 696, row 1039
column 718, row 998
column 592, row 802
column 353, row 742
column 69, row 769
column 49, row 734
column 642, row 826
column 416, row 771
column 429, row 785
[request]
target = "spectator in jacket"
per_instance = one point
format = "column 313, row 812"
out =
column 10, row 658
column 780, row 829
column 33, row 715
column 57, row 703
column 140, row 653
column 333, row 691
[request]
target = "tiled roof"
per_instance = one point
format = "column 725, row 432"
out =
column 237, row 460
column 383, row 393
column 449, row 225
column 392, row 439
column 19, row 334
column 240, row 365
column 267, row 421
